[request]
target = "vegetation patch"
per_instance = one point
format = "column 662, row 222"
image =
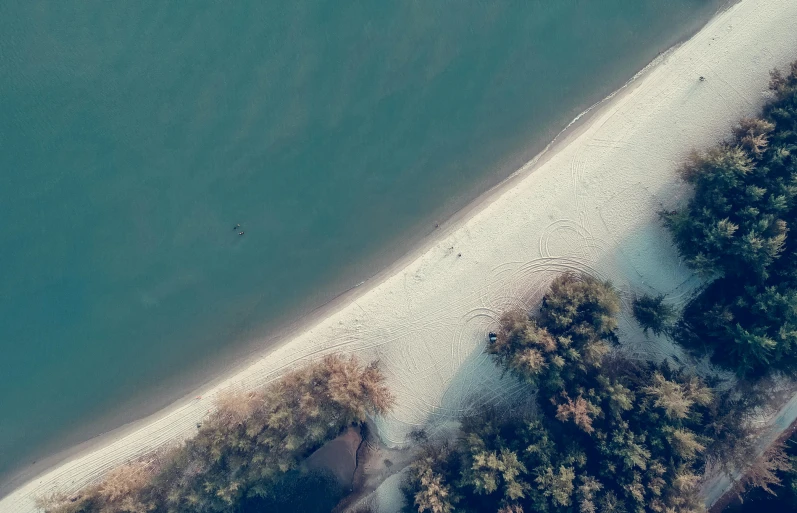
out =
column 772, row 484
column 612, row 435
column 653, row 314
column 738, row 230
column 249, row 451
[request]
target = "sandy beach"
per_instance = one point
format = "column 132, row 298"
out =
column 589, row 204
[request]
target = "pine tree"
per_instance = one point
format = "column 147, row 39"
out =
column 653, row 314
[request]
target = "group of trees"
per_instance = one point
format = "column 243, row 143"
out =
column 614, row 435
column 738, row 230
column 784, row 474
column 611, row 435
column 249, row 449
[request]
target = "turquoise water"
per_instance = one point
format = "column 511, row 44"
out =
column 135, row 135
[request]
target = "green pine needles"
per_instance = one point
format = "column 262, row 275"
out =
column 612, row 435
column 653, row 314
column 738, row 230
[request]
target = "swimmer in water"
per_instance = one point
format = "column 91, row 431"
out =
column 240, row 233
column 236, row 226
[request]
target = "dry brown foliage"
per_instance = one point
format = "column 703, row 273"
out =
column 122, row 490
column 752, row 134
column 250, row 440
column 685, row 444
column 434, row 493
column 780, row 82
column 763, row 473
column 581, row 410
column 234, row 407
column 723, row 156
column 355, row 387
column 677, row 398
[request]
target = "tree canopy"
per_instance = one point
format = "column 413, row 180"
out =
column 613, row 435
column 250, row 447
column 738, row 231
column 653, row 314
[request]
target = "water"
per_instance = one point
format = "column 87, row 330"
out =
column 134, row 136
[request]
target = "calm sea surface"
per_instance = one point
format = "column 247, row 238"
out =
column 135, row 135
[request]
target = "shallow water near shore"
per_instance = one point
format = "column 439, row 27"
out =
column 135, row 138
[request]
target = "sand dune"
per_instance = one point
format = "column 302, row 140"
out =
column 587, row 204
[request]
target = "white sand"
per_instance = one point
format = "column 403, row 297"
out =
column 590, row 205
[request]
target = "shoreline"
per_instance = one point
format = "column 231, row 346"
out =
column 252, row 353
column 119, row 421
column 337, row 307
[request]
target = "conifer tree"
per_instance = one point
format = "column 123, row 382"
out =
column 738, row 230
column 653, row 314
